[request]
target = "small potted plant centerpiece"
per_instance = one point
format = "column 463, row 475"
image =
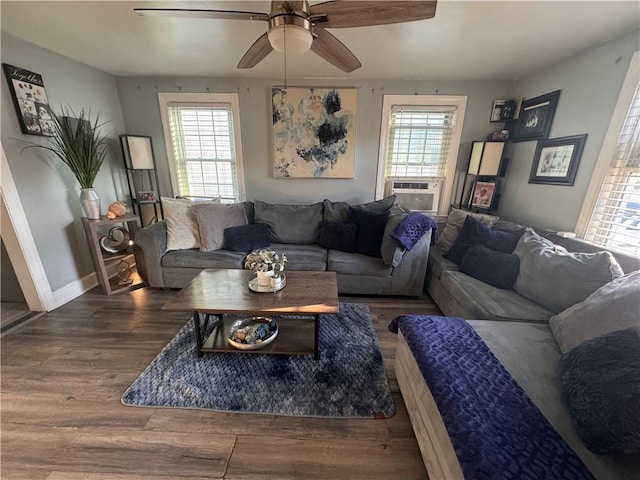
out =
column 268, row 266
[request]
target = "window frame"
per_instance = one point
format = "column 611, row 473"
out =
column 204, row 99
column 609, row 146
column 459, row 102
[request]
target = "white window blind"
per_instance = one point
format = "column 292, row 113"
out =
column 419, row 141
column 204, row 152
column 615, row 220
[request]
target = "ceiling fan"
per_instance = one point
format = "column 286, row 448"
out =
column 295, row 27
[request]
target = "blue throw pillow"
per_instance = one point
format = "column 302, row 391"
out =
column 490, row 266
column 370, row 230
column 601, row 385
column 474, row 233
column 338, row 236
column 246, row 238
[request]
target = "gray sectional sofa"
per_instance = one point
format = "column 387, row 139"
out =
column 539, row 343
column 295, row 232
column 459, row 295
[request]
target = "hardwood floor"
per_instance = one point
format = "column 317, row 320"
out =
column 63, row 375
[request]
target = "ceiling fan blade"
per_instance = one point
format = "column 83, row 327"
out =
column 334, row 51
column 195, row 13
column 260, row 49
column 345, row 14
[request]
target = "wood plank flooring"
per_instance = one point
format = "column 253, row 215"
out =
column 63, row 375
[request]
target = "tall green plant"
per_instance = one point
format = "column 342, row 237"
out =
column 79, row 144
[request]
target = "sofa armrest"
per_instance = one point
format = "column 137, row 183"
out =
column 152, row 240
column 408, row 277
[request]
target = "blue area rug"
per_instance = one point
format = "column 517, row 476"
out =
column 347, row 381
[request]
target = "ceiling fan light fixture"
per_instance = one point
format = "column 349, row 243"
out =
column 292, row 29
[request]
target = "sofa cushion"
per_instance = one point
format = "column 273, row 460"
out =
column 338, row 236
column 474, row 232
column 614, row 306
column 437, row 263
column 213, row 219
column 490, row 266
column 455, row 220
column 370, row 230
column 246, row 238
column 601, row 384
column 391, row 250
column 357, row 264
column 339, row 211
column 553, row 277
column 182, row 227
column 296, row 224
column 303, row 257
column 486, row 302
column 194, row 258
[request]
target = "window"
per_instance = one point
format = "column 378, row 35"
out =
column 419, row 138
column 611, row 214
column 203, row 145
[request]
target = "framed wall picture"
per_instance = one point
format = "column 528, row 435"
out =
column 30, row 101
column 556, row 160
column 536, row 116
column 483, row 194
column 314, row 132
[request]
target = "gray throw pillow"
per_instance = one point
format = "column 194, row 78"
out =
column 557, row 279
column 391, row 250
column 339, row 211
column 296, row 224
column 213, row 220
column 454, row 224
column 614, row 306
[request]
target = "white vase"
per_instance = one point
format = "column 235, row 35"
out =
column 276, row 282
column 90, row 203
column 264, row 278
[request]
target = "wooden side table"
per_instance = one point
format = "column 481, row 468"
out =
column 102, row 259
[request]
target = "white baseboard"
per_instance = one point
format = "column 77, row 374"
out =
column 73, row 290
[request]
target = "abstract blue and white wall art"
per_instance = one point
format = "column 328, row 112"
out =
column 314, row 132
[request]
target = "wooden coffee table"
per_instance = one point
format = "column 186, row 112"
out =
column 216, row 292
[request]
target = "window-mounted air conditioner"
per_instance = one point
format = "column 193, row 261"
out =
column 419, row 195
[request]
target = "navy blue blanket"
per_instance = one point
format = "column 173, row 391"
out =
column 412, row 228
column 496, row 430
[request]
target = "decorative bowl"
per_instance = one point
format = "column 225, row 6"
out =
column 252, row 333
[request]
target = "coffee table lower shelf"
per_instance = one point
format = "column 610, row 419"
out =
column 296, row 336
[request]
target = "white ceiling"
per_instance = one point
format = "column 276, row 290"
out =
column 465, row 40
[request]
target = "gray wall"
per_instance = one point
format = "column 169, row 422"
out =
column 48, row 190
column 590, row 84
column 139, row 99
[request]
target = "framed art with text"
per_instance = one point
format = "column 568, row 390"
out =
column 30, row 100
column 556, row 160
column 536, row 116
column 314, row 132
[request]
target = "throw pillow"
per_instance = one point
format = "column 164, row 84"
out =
column 601, row 384
column 490, row 266
column 455, row 220
column 370, row 230
column 474, row 233
column 213, row 219
column 614, row 306
column 298, row 224
column 338, row 236
column 246, row 238
column 557, row 279
column 391, row 250
column 182, row 227
column 339, row 211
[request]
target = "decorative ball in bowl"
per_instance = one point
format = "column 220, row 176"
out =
column 252, row 333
